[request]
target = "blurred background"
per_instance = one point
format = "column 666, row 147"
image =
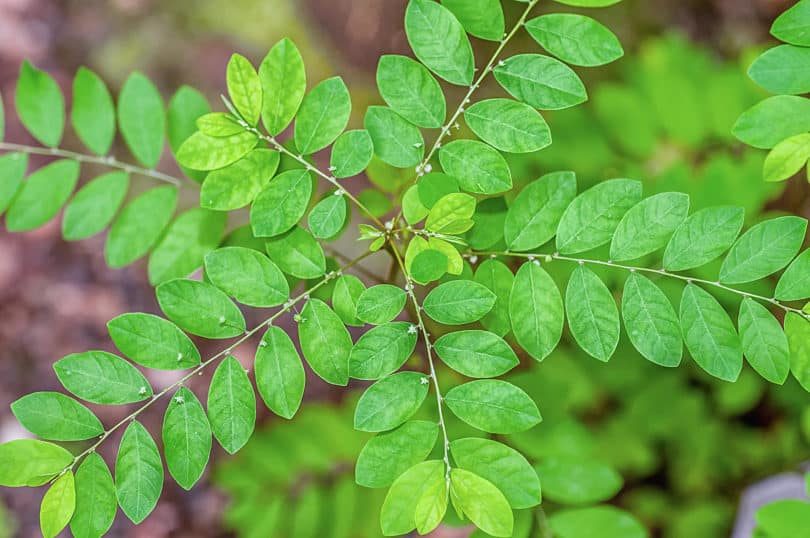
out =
column 685, row 445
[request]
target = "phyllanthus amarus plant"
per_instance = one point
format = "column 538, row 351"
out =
column 457, row 230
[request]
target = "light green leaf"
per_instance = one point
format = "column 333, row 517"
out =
column 508, row 125
column 139, row 226
column 93, row 112
column 479, row 168
column 570, row 480
column 602, row 521
column 793, row 26
column 794, row 284
column 783, row 518
column 323, row 116
column 764, row 249
column 200, row 308
column 186, row 438
column 281, row 204
column 185, row 107
column 594, row 215
column 297, row 253
column 764, row 343
column 382, row 350
column 42, row 195
column 535, row 214
column 797, row 330
column 247, row 275
column 651, row 322
column 481, row 18
column 541, row 82
column 153, row 342
column 387, row 455
column 498, row 279
column 648, row 225
column 280, row 375
column 575, row 39
column 142, row 119
column 704, row 236
column 351, row 153
column 772, row 120
column 592, row 314
column 346, row 293
column 328, row 217
column 411, row 91
column 381, row 303
column 476, row 353
column 96, row 504
column 218, row 124
column 94, row 206
column 188, row 239
column 284, row 82
column 783, row 69
column 30, row 462
column 438, row 40
column 493, row 406
column 239, row 183
column 203, row 152
column 428, row 265
column 398, row 510
column 102, row 378
column 244, row 88
column 390, row 402
column 325, row 342
column 482, row 502
column 40, row 105
column 12, row 170
column 536, row 311
column 58, row 505
column 56, row 417
column 396, row 141
column 451, row 214
column 431, row 507
column 458, row 302
column 231, row 405
column 787, row 158
column 138, row 473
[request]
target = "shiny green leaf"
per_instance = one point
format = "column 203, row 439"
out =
column 381, row 303
column 284, row 82
column 42, row 195
column 387, row 455
column 411, row 91
column 96, row 504
column 30, row 462
column 138, row 473
column 186, row 438
column 476, row 353
column 351, row 153
column 239, row 183
column 281, row 204
column 508, row 125
column 396, row 141
column 458, row 302
column 297, row 253
column 438, row 40
column 479, row 168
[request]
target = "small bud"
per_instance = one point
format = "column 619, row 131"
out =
column 298, row 318
column 428, row 168
column 413, row 329
column 332, row 168
column 179, row 399
column 142, row 391
column 424, row 381
column 473, row 259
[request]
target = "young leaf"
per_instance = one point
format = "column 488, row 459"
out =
column 772, row 120
column 102, row 378
column 535, row 213
column 387, row 455
column 382, row 350
column 438, row 41
column 431, row 507
column 592, row 314
column 186, row 438
column 541, row 82
column 280, row 375
column 218, row 124
column 94, row 206
column 602, row 521
column 390, row 402
column 498, row 279
column 297, row 253
column 794, row 284
column 398, row 509
column 200, row 308
column 783, row 69
column 764, row 249
column 793, row 26
column 138, row 473
column 142, row 119
column 451, row 214
column 396, row 141
column 787, row 158
column 323, row 116
column 704, row 236
column 31, row 462
column 479, row 168
column 42, row 195
column 536, row 311
column 325, row 342
column 651, row 322
column 482, row 502
column 764, row 343
column 327, row 218
column 381, row 303
column 476, row 353
column 185, row 107
column 481, row 18
column 40, row 105
column 56, row 417
column 648, row 225
column 153, row 342
column 203, row 152
column 575, row 39
column 244, row 88
column 139, row 226
column 508, row 125
column 493, row 406
column 284, row 82
column 231, row 405
column 188, row 239
column 281, row 204
column 12, row 170
column 410, row 90
column 96, row 504
column 458, row 302
column 574, row 480
column 351, row 153
column 797, row 330
column 345, row 294
column 247, row 276
column 239, row 183
column 58, row 505
column 93, row 112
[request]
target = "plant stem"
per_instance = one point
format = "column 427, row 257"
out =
column 110, row 161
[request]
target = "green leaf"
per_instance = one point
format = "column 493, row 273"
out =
column 40, row 105
column 536, row 311
column 218, row 124
column 96, row 504
column 139, row 226
column 764, row 343
column 203, row 152
column 434, row 186
column 431, row 507
column 93, row 112
column 458, row 302
column 377, row 203
column 787, row 158
column 244, row 88
column 323, row 116
column 508, row 125
column 188, row 239
column 390, row 401
column 501, row 465
column 327, row 218
column 783, row 69
column 141, row 119
column 498, row 279
column 185, row 107
column 602, row 521
column 479, row 168
column 793, row 26
column 200, row 308
column 281, row 204
column 764, row 249
column 428, row 265
column 592, row 314
column 239, row 183
column 153, row 342
column 648, row 225
column 346, row 293
column 541, row 82
column 396, row 141
column 231, row 405
column 138, row 473
column 42, row 195
column 12, row 170
column 482, row 502
column 387, row 455
column 325, row 342
column 381, row 303
column 382, row 350
column 411, row 91
column 481, row 18
column 297, row 253
column 56, row 417
column 783, row 518
column 488, row 223
column 594, row 215
column 651, row 322
column 351, row 153
column 535, row 214
column 438, row 40
column 709, row 334
column 247, row 276
column 476, row 353
column 451, row 214
column 186, row 438
column 794, row 284
column 284, row 82
column 94, row 206
column 704, row 236
column 772, row 120
column 102, row 378
column 493, row 406
column 398, row 509
column 575, row 39
column 572, row 480
column 797, row 330
column 58, row 505
column 280, row 375
column 30, row 462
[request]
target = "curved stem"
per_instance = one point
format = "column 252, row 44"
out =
column 110, row 161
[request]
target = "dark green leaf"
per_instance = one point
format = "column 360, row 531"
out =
column 186, row 438
column 648, row 225
column 481, row 18
column 476, row 353
column 498, row 279
column 382, row 350
column 346, row 293
column 328, row 217
column 478, row 167
column 508, row 125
